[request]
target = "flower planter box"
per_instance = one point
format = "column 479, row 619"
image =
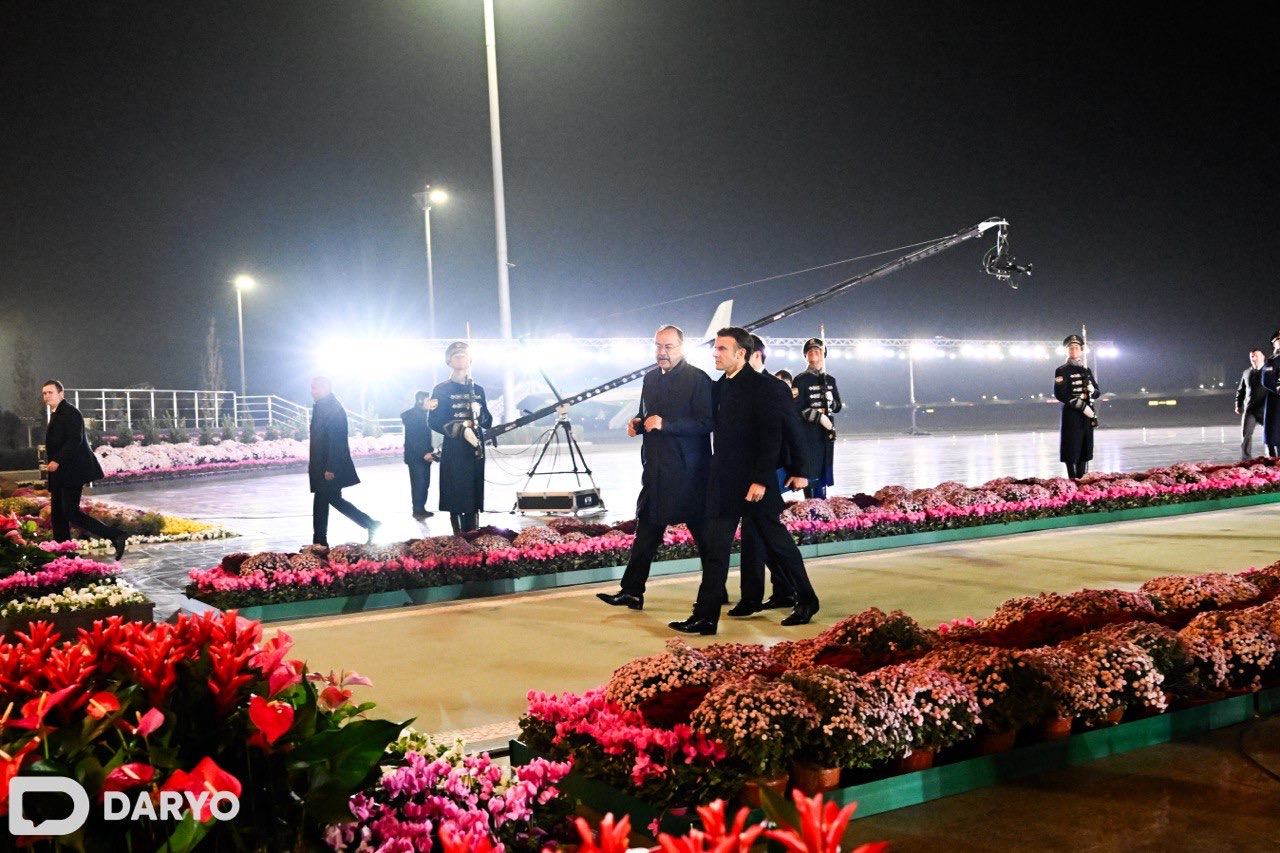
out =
column 909, row 789
column 67, row 622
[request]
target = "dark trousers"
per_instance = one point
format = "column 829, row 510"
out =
column 645, row 548
column 778, row 545
column 419, row 482
column 1076, row 470
column 1248, row 423
column 751, row 571
column 326, row 498
column 64, row 511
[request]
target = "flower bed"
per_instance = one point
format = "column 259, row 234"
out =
column 569, row 544
column 27, row 511
column 164, row 461
column 692, row 723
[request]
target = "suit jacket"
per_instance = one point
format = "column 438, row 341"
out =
column 66, row 444
column 794, row 455
column 676, row 458
column 1250, row 395
column 417, row 435
column 747, row 442
column 330, row 449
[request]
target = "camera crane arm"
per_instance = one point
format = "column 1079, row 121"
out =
column 998, row 262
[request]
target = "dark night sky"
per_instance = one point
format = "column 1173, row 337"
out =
column 652, row 149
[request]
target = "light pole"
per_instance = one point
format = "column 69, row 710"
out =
column 499, row 211
column 426, row 198
column 242, row 283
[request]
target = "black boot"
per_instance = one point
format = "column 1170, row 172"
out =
column 455, row 521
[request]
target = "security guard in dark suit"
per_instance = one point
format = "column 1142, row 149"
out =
column 1251, row 401
column 72, row 466
column 1075, row 388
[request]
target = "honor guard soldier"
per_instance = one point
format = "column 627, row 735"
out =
column 1075, row 388
column 1271, row 410
column 461, row 416
column 817, row 401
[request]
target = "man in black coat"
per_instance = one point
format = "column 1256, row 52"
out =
column 1270, row 377
column 748, row 437
column 330, row 467
column 72, row 465
column 675, row 422
column 1251, row 401
column 1075, row 388
column 418, row 452
column 791, row 464
column 817, row 401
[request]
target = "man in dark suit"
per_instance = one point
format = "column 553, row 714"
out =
column 72, row 465
column 791, row 467
column 675, row 422
column 1251, row 401
column 418, row 452
column 747, row 442
column 330, row 467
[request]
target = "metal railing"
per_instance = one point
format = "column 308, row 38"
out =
column 112, row 409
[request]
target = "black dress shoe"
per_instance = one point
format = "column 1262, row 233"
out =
column 694, row 625
column 778, row 602
column 622, row 599
column 800, row 615
column 119, row 541
column 745, row 608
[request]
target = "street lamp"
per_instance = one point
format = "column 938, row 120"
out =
column 426, row 198
column 499, row 210
column 242, row 283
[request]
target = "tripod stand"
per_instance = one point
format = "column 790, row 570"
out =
column 570, row 502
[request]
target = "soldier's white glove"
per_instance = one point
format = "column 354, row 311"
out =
column 1087, row 411
column 825, row 421
column 469, row 435
column 475, row 409
column 831, row 398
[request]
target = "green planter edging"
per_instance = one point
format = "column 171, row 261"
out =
column 910, row 789
column 554, row 580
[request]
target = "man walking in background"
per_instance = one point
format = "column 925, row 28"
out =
column 330, row 467
column 675, row 422
column 71, row 467
column 418, row 452
column 1251, row 401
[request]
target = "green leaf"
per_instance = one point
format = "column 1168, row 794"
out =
column 348, row 753
column 778, row 808
column 186, row 835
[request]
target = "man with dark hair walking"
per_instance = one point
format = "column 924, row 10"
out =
column 330, row 468
column 675, row 422
column 747, row 440
column 71, row 467
column 418, row 452
column 1251, row 401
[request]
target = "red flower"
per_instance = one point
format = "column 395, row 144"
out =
column 613, row 836
column 35, row 710
column 273, row 719
column 822, row 826
column 10, row 764
column 101, row 704
column 147, row 723
column 128, row 776
column 205, row 778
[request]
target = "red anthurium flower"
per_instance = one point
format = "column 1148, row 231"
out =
column 35, row 710
column 128, row 776
column 205, row 777
column 147, row 723
column 101, row 704
column 613, row 836
column 273, row 719
column 335, row 696
column 455, row 840
column 10, row 764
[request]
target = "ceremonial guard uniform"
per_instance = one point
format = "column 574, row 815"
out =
column 1271, row 416
column 1075, row 388
column 461, row 415
column 817, row 401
